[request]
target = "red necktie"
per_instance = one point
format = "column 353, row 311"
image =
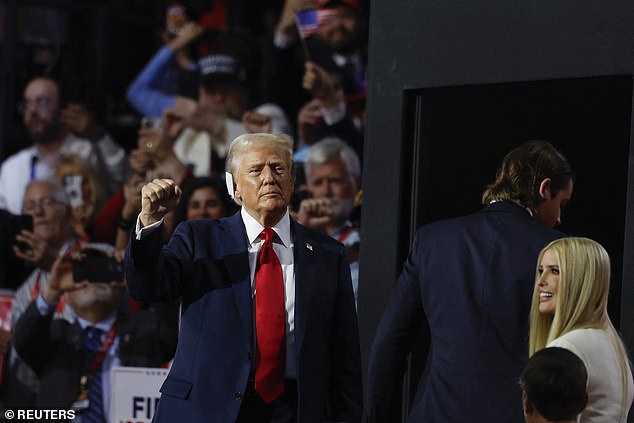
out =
column 270, row 321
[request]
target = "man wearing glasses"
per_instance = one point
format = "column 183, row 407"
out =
column 56, row 131
column 52, row 234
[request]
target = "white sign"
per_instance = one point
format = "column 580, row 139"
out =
column 135, row 393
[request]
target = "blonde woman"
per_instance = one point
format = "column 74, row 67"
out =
column 569, row 310
column 84, row 192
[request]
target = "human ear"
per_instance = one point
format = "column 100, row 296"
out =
column 544, row 189
column 527, row 404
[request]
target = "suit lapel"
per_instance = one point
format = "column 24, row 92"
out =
column 233, row 240
column 305, row 268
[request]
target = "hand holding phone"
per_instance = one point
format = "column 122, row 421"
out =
column 27, row 245
column 61, row 279
column 15, row 225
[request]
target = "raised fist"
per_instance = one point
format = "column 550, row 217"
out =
column 157, row 199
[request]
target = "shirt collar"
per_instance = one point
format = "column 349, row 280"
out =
column 528, row 209
column 254, row 228
column 104, row 325
column 341, row 60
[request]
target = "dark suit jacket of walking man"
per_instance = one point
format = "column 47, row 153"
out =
column 472, row 278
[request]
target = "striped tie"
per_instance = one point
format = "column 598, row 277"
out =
column 94, row 413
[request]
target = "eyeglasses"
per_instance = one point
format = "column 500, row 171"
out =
column 40, row 104
column 44, row 202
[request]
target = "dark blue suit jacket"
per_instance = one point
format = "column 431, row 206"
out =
column 472, row 278
column 206, row 264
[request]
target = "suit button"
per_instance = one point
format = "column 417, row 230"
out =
column 250, row 356
column 238, row 396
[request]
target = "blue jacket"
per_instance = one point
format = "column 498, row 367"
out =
column 206, row 264
column 472, row 279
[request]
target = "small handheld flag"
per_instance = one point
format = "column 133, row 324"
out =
column 307, row 23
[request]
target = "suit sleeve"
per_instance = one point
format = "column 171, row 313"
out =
column 346, row 396
column 397, row 330
column 153, row 272
column 31, row 338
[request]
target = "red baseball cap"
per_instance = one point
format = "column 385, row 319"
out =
column 324, row 4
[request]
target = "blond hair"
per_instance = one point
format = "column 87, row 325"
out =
column 96, row 196
column 581, row 301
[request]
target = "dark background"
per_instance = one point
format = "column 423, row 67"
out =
column 98, row 47
column 466, row 131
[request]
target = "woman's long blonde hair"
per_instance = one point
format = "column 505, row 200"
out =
column 582, row 298
column 96, row 195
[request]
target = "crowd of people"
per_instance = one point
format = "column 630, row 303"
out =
column 75, row 192
column 234, row 223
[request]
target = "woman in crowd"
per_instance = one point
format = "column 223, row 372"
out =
column 569, row 310
column 84, row 191
column 205, row 198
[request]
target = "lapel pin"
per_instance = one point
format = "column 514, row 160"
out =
column 309, row 246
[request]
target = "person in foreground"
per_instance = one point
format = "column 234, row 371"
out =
column 470, row 279
column 554, row 387
column 268, row 327
column 569, row 310
column 74, row 359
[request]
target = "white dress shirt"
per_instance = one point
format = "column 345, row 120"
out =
column 283, row 247
column 104, row 156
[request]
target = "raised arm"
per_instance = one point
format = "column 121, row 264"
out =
column 151, row 275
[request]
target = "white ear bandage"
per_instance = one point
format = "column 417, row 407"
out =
column 229, row 182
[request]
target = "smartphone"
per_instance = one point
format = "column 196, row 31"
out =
column 175, row 19
column 73, row 185
column 15, row 224
column 152, row 123
column 96, row 266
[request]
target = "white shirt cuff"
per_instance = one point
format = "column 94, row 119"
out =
column 143, row 232
column 334, row 114
column 281, row 40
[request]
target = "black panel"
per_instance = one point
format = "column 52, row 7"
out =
column 466, row 131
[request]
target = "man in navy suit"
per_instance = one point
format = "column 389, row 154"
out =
column 471, row 278
column 214, row 266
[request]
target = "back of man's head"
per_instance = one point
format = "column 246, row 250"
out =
column 554, row 385
column 522, row 171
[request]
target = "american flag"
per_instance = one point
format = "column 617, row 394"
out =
column 308, row 21
column 325, row 15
